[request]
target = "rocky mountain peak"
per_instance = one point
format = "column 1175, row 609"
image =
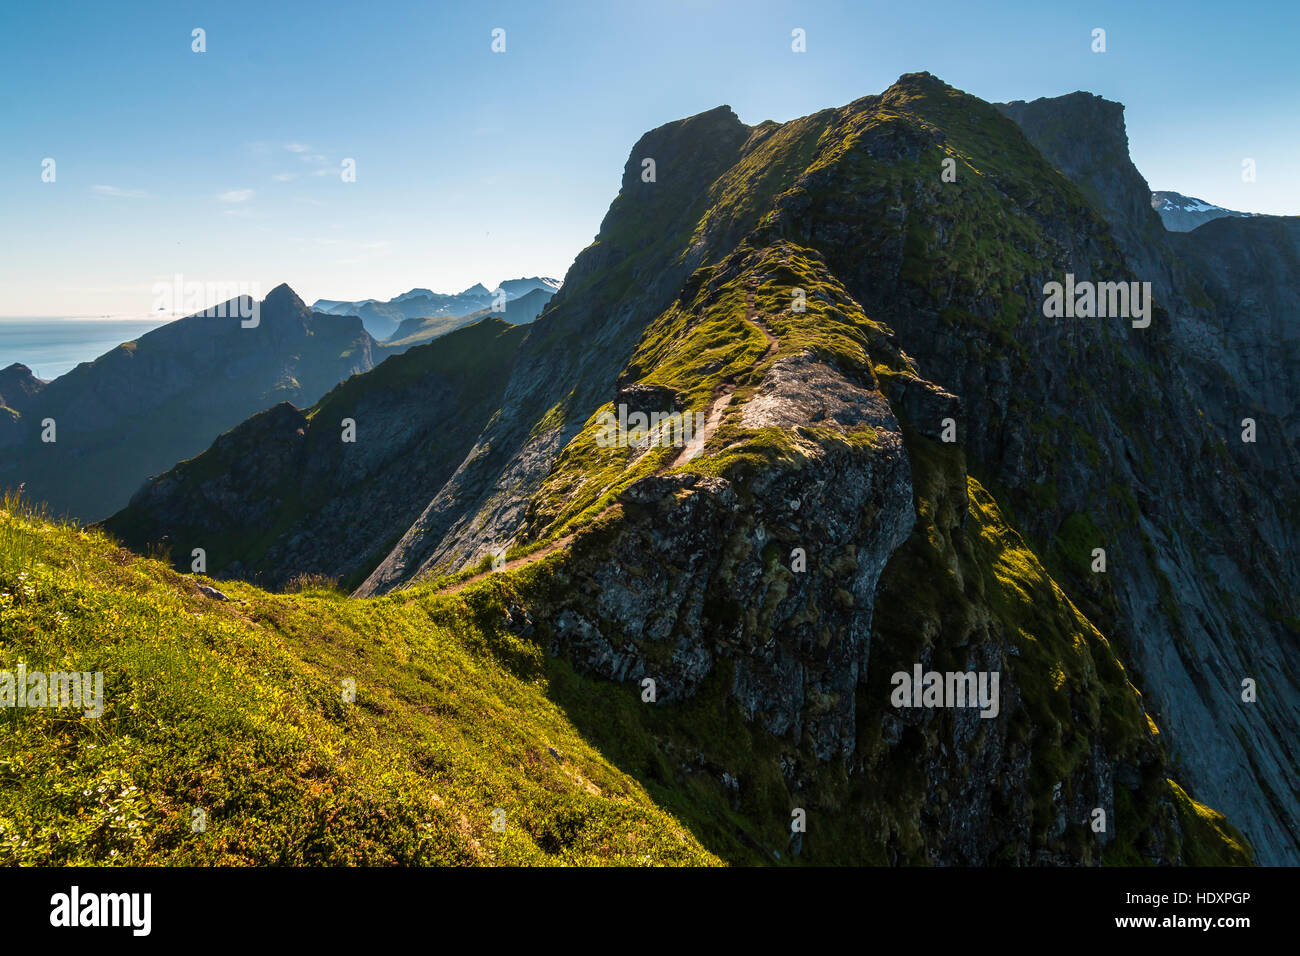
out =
column 686, row 146
column 17, row 385
column 1084, row 136
column 1182, row 213
column 284, row 299
column 911, row 85
column 413, row 294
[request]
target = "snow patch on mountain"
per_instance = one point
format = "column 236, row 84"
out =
column 1181, row 213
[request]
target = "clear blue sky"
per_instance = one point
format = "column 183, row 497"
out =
column 474, row 166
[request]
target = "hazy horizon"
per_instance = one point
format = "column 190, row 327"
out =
column 227, row 164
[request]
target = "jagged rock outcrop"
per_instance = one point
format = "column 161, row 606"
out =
column 1083, row 135
column 775, row 571
column 647, row 399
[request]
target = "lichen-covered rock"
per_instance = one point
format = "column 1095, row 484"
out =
column 778, row 575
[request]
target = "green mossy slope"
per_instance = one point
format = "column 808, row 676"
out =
column 237, row 708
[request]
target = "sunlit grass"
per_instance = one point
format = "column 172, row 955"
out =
column 236, row 709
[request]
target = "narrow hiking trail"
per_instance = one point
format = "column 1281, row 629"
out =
column 692, row 450
column 696, row 446
column 751, row 316
column 510, row 565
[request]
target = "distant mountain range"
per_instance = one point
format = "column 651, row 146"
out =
column 1182, row 213
column 382, row 319
column 516, row 311
column 141, row 407
column 283, row 465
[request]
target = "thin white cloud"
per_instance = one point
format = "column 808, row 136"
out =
column 296, row 147
column 119, row 193
column 284, row 177
column 353, row 252
column 373, row 245
column 236, row 195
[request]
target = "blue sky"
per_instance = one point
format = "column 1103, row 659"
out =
column 473, row 166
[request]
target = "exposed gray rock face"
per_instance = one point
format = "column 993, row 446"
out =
column 1250, row 269
column 700, row 570
column 925, row 406
column 1216, row 515
column 647, row 399
column 1083, row 136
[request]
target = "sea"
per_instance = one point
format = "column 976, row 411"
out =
column 52, row 346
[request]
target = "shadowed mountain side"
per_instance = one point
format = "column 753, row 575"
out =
column 137, row 410
column 1218, row 527
column 18, row 387
column 284, row 495
column 1250, row 270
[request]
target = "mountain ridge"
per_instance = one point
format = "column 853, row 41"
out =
column 922, row 305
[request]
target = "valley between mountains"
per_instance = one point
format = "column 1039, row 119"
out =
column 566, row 650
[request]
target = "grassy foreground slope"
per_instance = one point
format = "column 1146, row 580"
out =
column 237, row 708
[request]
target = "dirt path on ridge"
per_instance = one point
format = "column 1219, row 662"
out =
column 693, row 449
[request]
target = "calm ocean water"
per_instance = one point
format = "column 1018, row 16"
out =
column 50, row 347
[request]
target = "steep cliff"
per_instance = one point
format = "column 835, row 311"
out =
column 1217, row 513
